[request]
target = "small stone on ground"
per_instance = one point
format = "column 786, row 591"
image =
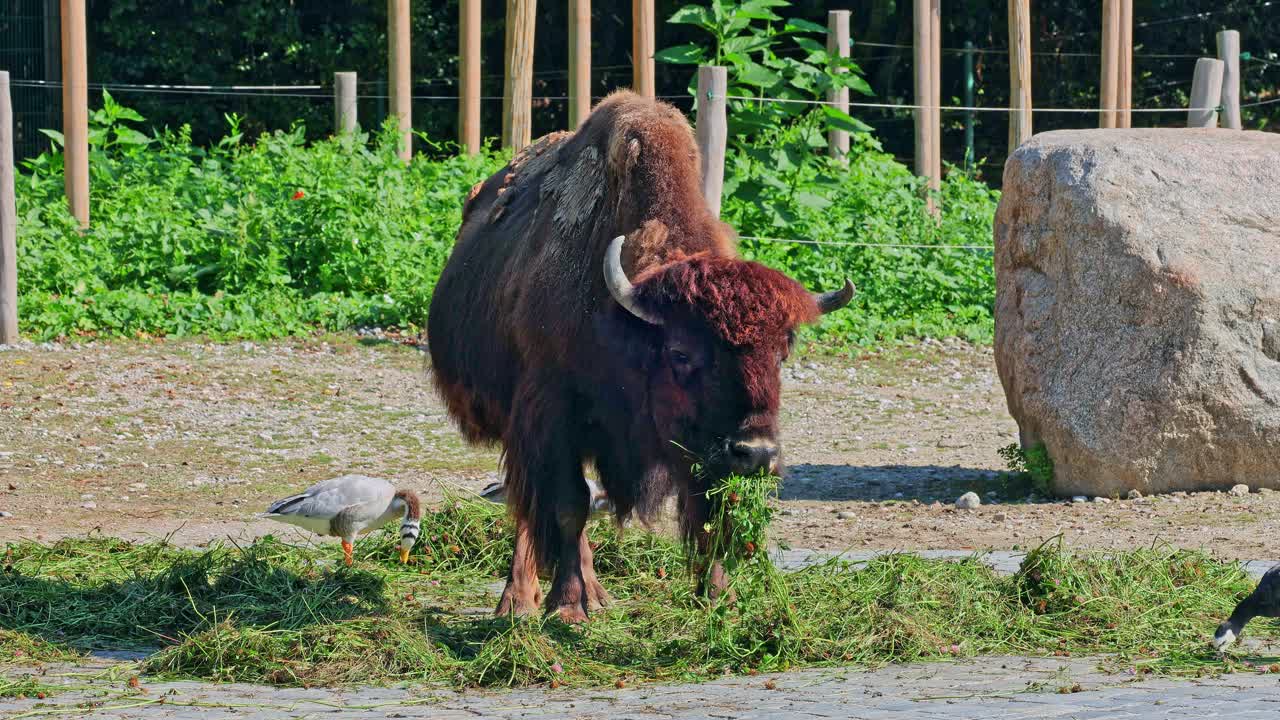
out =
column 968, row 501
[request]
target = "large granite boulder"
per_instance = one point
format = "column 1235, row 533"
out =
column 1138, row 307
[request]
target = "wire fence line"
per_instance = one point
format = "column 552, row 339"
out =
column 838, row 243
column 309, row 91
column 1180, row 18
column 1005, row 51
column 965, row 108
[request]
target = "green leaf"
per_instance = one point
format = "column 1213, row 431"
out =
column 129, row 136
column 55, row 136
column 758, row 75
column 692, row 15
column 810, row 44
column 680, row 55
column 756, row 14
column 802, row 25
column 745, row 44
column 844, row 121
column 853, row 82
column 786, row 159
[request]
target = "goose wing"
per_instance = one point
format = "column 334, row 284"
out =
column 323, row 501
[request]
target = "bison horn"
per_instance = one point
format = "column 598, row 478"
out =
column 835, row 299
column 620, row 286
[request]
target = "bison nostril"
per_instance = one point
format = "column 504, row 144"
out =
column 752, row 456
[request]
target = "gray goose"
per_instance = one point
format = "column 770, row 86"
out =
column 1264, row 601
column 351, row 505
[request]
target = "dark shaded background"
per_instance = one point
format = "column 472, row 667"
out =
column 226, row 42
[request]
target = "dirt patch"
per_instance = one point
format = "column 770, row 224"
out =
column 143, row 439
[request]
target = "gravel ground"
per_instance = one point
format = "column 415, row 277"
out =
column 186, row 438
column 1000, row 688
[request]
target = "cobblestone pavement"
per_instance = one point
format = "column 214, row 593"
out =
column 990, row 688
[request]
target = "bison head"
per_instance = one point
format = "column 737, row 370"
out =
column 723, row 328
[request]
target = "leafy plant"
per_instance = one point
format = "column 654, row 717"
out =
column 754, row 621
column 861, row 218
column 277, row 236
column 754, row 42
column 265, row 239
column 1033, row 461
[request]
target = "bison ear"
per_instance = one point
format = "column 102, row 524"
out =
column 619, row 284
column 834, row 299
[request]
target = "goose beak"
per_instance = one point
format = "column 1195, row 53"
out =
column 404, row 556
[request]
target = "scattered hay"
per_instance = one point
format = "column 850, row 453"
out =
column 282, row 614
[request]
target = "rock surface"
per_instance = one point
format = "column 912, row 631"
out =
column 1138, row 307
column 968, row 501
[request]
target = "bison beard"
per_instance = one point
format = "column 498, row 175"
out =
column 541, row 342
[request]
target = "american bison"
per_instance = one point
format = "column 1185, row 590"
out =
column 595, row 311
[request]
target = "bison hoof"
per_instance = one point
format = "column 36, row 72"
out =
column 518, row 603
column 572, row 613
column 597, row 596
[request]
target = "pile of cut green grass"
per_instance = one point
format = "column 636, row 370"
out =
column 277, row 613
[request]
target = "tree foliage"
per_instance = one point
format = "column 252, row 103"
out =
column 304, row 41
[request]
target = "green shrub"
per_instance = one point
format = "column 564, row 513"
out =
column 1034, row 462
column 263, row 239
column 779, row 183
column 280, row 237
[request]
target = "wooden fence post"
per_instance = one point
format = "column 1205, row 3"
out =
column 579, row 61
column 1019, row 73
column 968, row 102
column 1124, row 94
column 1229, row 54
column 712, row 131
column 923, row 50
column 469, row 75
column 1109, row 85
column 8, row 222
column 643, row 21
column 517, row 92
column 838, row 46
column 75, row 110
column 399, row 73
column 344, row 103
column 935, row 97
column 1206, row 93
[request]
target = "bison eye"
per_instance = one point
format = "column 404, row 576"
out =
column 679, row 358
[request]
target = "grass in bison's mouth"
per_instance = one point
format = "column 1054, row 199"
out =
column 285, row 614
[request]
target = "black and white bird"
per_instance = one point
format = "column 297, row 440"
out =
column 1264, row 601
column 601, row 506
column 351, row 505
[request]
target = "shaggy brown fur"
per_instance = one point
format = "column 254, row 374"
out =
column 530, row 350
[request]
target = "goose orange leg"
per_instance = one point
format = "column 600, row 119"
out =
column 346, row 552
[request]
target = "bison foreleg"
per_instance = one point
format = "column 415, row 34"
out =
column 597, row 597
column 523, row 595
column 570, row 595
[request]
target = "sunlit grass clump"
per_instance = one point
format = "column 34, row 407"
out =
column 283, row 614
